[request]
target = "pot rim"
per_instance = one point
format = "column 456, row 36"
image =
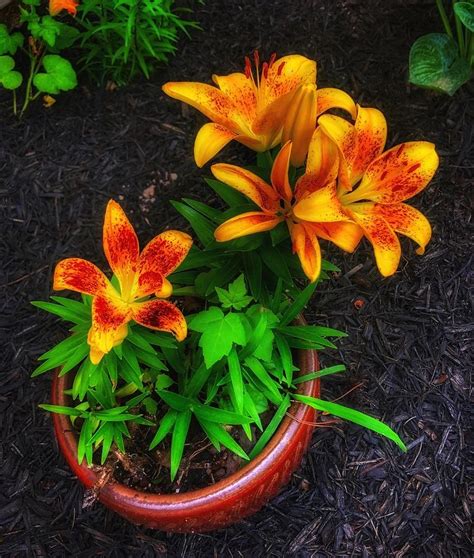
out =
column 67, row 440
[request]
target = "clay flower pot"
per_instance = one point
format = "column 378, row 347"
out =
column 216, row 506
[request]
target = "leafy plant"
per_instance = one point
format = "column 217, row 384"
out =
column 41, row 41
column 445, row 61
column 123, row 38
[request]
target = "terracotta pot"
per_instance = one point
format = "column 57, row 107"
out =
column 216, row 506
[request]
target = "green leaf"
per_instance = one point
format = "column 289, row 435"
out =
column 286, row 357
column 166, row 424
column 228, row 194
column 353, row 416
column 60, row 410
column 59, row 76
column 257, row 368
column 271, row 428
column 236, row 294
column 218, row 434
column 219, row 333
column 319, row 373
column 129, row 368
column 274, row 260
column 9, row 44
column 465, row 12
column 66, row 37
column 178, row 439
column 201, row 225
column 298, row 305
column 253, row 272
column 236, row 381
column 435, row 64
column 47, row 28
column 61, row 311
column 163, row 381
column 317, row 334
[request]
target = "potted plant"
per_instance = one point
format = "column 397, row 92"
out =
column 189, row 414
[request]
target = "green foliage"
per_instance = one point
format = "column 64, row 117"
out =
column 445, row 61
column 9, row 78
column 9, row 44
column 123, row 38
column 59, row 75
column 47, row 71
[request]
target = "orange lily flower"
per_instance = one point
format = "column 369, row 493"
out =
column 251, row 107
column 57, row 6
column 139, row 275
column 277, row 202
column 373, row 184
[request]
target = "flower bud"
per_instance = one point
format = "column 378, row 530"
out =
column 300, row 122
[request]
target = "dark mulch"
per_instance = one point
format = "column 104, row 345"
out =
column 408, row 347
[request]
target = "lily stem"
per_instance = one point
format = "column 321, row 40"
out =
column 185, row 291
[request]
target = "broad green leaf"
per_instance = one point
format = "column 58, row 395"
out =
column 271, row 428
column 178, row 439
column 235, row 296
column 163, row 381
column 465, row 12
column 59, row 75
column 353, row 416
column 10, row 79
column 9, row 44
column 435, row 63
column 47, row 28
column 200, row 322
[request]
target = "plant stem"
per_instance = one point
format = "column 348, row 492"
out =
column 14, row 102
column 460, row 34
column 444, row 18
column 28, row 85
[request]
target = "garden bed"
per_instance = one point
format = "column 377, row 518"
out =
column 406, row 352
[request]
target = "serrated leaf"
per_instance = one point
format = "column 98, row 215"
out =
column 47, row 28
column 435, row 64
column 9, row 43
column 59, row 75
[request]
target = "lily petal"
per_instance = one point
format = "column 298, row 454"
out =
column 120, row 246
column 109, row 326
column 244, row 224
column 248, row 184
column 279, row 177
column 359, row 144
column 321, row 206
column 240, row 90
column 210, row 139
column 162, row 316
column 329, row 98
column 398, row 174
column 381, row 235
column 306, row 247
column 160, row 257
column 209, row 100
column 300, row 122
column 81, row 276
column 286, row 74
column 322, row 165
column 408, row 221
column 343, row 234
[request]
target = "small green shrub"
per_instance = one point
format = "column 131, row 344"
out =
column 123, row 38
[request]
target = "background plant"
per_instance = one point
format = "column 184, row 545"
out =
column 445, row 61
column 123, row 38
column 41, row 39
